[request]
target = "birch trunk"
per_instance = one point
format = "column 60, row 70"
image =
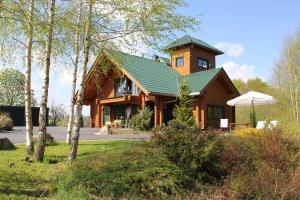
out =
column 79, row 102
column 71, row 117
column 296, row 87
column 290, row 82
column 39, row 153
column 28, row 114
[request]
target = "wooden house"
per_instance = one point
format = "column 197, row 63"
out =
column 132, row 82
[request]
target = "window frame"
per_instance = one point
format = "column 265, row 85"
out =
column 176, row 63
column 202, row 59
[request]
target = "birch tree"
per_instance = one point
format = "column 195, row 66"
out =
column 20, row 20
column 28, row 114
column 79, row 103
column 76, row 60
column 41, row 142
column 286, row 75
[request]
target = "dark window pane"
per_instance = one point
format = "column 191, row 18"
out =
column 202, row 62
column 179, row 61
column 215, row 112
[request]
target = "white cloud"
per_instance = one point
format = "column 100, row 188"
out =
column 231, row 49
column 237, row 71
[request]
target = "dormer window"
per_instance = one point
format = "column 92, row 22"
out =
column 203, row 63
column 179, row 61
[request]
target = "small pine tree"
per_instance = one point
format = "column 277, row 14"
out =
column 183, row 112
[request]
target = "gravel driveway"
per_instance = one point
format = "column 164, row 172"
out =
column 17, row 135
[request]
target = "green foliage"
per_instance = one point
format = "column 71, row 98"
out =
column 11, row 87
column 6, row 123
column 196, row 152
column 262, row 166
column 141, row 121
column 138, row 172
column 255, row 84
column 29, row 180
column 183, row 112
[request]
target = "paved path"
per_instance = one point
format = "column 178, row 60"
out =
column 17, row 135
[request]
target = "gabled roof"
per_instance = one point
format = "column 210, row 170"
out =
column 199, row 80
column 158, row 78
column 154, row 76
column 190, row 40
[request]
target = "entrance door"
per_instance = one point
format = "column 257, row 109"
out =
column 150, row 105
column 168, row 112
column 106, row 114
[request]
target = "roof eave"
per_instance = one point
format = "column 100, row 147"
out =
column 215, row 51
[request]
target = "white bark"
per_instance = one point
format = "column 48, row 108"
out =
column 71, row 117
column 79, row 100
column 291, row 91
column 28, row 114
column 39, row 154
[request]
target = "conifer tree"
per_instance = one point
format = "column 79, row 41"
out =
column 183, row 112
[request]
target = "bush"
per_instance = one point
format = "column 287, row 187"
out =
column 246, row 132
column 49, row 140
column 141, row 121
column 6, row 123
column 197, row 153
column 140, row 172
column 262, row 166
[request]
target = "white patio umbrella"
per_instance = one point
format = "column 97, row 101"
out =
column 252, row 98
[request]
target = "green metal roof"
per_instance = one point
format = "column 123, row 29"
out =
column 157, row 77
column 199, row 80
column 190, row 40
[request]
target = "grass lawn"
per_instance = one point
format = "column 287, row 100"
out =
column 25, row 180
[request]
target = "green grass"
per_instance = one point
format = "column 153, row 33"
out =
column 28, row 180
column 138, row 172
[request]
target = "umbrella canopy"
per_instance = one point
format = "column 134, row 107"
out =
column 252, row 98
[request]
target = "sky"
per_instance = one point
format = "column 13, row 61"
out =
column 250, row 32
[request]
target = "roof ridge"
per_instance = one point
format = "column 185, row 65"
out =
column 205, row 71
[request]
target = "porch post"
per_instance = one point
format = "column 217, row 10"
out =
column 156, row 111
column 201, row 111
column 99, row 112
column 161, row 112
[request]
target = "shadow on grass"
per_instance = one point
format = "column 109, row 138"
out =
column 29, row 193
column 53, row 159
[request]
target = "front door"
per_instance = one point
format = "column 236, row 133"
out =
column 106, row 114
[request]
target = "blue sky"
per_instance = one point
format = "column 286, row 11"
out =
column 253, row 31
column 249, row 32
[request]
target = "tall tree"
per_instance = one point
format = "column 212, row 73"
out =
column 28, row 114
column 76, row 59
column 79, row 103
column 183, row 112
column 41, row 142
column 286, row 74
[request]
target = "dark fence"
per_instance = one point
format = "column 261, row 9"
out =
column 17, row 113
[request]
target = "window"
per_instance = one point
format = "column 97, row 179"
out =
column 120, row 86
column 179, row 61
column 123, row 86
column 215, row 112
column 135, row 90
column 202, row 63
